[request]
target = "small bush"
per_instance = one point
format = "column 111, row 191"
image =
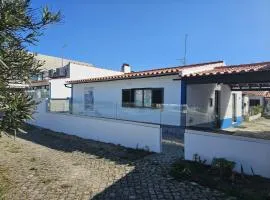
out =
column 187, row 169
column 254, row 110
column 198, row 159
column 224, row 166
column 246, row 188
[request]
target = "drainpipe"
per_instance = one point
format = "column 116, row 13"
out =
column 183, row 104
column 71, row 98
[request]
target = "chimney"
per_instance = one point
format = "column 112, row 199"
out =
column 126, row 68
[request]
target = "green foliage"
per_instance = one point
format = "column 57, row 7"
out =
column 254, row 110
column 20, row 26
column 2, row 191
column 188, row 169
column 4, row 182
column 17, row 107
column 249, row 187
column 198, row 159
column 224, row 166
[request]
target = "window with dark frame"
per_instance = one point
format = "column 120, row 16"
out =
column 254, row 102
column 143, row 97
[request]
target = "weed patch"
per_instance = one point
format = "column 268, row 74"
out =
column 218, row 177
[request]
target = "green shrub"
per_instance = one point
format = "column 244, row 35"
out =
column 1, row 193
column 254, row 110
column 198, row 159
column 224, row 166
column 237, row 185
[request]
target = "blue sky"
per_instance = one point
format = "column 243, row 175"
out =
column 150, row 33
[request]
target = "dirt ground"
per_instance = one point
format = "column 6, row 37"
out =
column 259, row 128
column 47, row 165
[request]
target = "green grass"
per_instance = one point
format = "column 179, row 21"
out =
column 238, row 185
column 1, row 193
column 4, row 182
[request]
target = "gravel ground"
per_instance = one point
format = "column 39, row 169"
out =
column 47, row 165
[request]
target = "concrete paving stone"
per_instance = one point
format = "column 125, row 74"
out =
column 58, row 166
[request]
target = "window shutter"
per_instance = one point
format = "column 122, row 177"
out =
column 132, row 96
column 125, row 96
column 157, row 96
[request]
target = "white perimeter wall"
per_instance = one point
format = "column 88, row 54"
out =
column 128, row 134
column 248, row 152
column 198, row 101
column 108, row 99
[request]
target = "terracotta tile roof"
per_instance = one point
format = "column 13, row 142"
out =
column 233, row 69
column 143, row 74
column 257, row 93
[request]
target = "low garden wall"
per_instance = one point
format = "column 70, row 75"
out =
column 252, row 154
column 126, row 133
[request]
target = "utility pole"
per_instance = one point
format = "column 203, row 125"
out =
column 64, row 46
column 185, row 55
column 184, row 59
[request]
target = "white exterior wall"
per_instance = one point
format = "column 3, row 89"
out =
column 81, row 72
column 128, row 134
column 267, row 106
column 248, row 152
column 199, row 109
column 198, row 102
column 77, row 71
column 245, row 105
column 108, row 99
column 226, row 102
column 58, row 89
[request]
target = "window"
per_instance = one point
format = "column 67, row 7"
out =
column 147, row 98
column 142, row 97
column 254, row 102
column 88, row 99
column 138, row 98
column 157, row 96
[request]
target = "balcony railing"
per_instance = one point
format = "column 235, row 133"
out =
column 38, row 94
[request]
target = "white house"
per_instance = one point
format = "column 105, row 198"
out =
column 57, row 71
column 213, row 105
column 73, row 71
column 255, row 98
column 218, row 92
column 159, row 96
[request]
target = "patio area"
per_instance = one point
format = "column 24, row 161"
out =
column 259, row 128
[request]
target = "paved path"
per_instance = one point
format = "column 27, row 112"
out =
column 45, row 165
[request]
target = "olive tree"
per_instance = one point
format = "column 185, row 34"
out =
column 20, row 27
